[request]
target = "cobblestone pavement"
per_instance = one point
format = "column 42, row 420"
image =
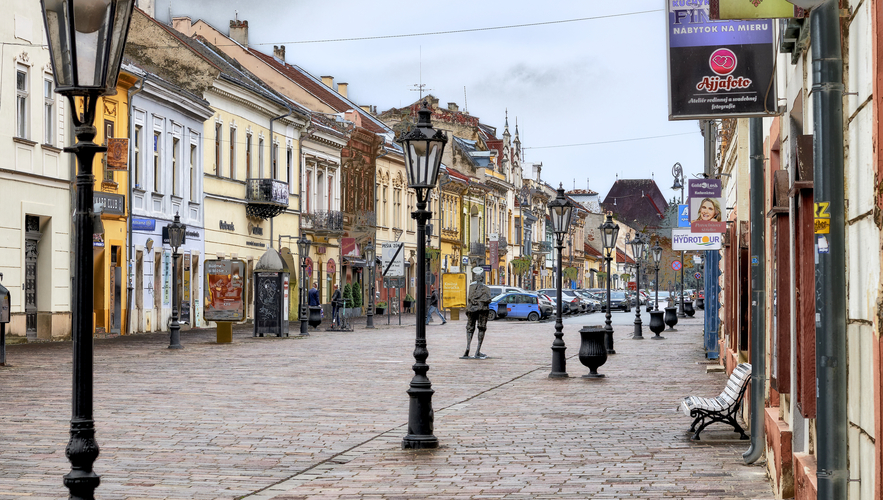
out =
column 323, row 417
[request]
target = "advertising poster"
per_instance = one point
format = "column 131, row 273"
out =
column 454, row 290
column 166, row 278
column 683, row 239
column 185, row 289
column 755, row 9
column 706, row 201
column 718, row 68
column 224, row 287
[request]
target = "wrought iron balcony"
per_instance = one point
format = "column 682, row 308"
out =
column 266, row 198
column 503, row 246
column 323, row 221
column 476, row 248
column 543, row 247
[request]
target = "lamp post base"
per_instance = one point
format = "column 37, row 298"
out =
column 639, row 334
column 559, row 363
column 421, row 417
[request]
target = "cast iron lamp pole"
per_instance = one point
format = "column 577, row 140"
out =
column 423, row 147
column 101, row 26
column 657, row 255
column 678, row 172
column 369, row 257
column 176, row 239
column 638, row 244
column 609, row 233
column 560, row 211
column 303, row 246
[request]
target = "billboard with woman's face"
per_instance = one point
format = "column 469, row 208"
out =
column 706, row 206
column 224, row 286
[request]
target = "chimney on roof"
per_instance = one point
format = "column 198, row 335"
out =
column 239, row 32
column 183, row 24
column 328, row 80
column 279, row 52
column 148, row 6
column 341, row 88
column 368, row 108
column 452, row 106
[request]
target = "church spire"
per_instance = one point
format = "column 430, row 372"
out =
column 506, row 128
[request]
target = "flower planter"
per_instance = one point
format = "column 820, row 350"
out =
column 688, row 308
column 315, row 318
column 700, row 303
column 671, row 317
column 657, row 324
column 592, row 351
column 379, row 311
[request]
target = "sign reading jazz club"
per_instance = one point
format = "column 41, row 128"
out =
column 718, row 68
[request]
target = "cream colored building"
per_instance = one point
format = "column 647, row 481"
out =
column 35, row 181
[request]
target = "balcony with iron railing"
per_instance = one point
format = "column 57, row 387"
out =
column 266, row 198
column 323, row 222
column 477, row 248
column 542, row 247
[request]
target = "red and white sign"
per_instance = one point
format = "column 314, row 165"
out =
column 676, row 265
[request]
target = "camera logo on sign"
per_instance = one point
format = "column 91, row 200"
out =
column 722, row 61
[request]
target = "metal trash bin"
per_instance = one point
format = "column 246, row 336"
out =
column 5, row 298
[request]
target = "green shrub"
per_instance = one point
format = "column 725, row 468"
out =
column 357, row 295
column 348, row 295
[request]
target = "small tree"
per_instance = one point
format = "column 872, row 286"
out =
column 357, row 296
column 348, row 295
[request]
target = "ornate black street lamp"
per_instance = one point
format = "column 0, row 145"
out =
column 303, row 246
column 369, row 259
column 678, row 173
column 176, row 239
column 656, row 250
column 423, row 147
column 638, row 245
column 609, row 233
column 560, row 211
column 86, row 40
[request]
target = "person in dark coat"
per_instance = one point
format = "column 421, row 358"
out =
column 336, row 298
column 314, row 295
column 433, row 307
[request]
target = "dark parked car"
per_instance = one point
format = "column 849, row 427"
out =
column 618, row 300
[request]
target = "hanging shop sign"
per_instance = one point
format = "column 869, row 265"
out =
column 706, row 199
column 718, row 68
column 683, row 239
column 143, row 224
column 763, row 9
column 224, row 284
column 109, row 203
column 117, row 154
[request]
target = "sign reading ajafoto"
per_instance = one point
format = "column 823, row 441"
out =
column 224, row 284
column 718, row 68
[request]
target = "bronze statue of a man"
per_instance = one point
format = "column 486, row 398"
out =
column 477, row 307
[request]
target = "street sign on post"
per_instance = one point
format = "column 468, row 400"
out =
column 392, row 256
column 676, row 265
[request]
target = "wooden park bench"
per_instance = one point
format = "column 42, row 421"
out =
column 723, row 408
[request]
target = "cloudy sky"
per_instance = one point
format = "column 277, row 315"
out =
column 589, row 94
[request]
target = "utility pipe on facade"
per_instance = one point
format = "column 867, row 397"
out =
column 273, row 158
column 828, row 194
column 758, row 291
column 130, row 287
column 711, row 273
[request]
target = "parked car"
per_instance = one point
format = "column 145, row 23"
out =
column 521, row 306
column 577, row 304
column 619, row 300
column 565, row 306
column 594, row 304
column 497, row 310
column 500, row 289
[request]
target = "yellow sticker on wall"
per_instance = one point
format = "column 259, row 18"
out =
column 822, row 226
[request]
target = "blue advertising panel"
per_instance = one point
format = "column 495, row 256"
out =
column 718, row 68
column 684, row 215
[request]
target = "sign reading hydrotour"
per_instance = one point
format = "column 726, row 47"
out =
column 718, row 68
column 706, row 200
column 683, row 239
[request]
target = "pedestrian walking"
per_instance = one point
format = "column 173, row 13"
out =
column 314, row 295
column 335, row 306
column 433, row 307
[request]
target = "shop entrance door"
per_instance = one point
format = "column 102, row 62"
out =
column 32, row 237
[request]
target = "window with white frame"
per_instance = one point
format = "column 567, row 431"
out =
column 136, row 163
column 397, row 208
column 48, row 111
column 260, row 171
column 274, row 159
column 21, row 102
column 248, row 156
column 194, row 195
column 157, row 174
column 176, row 181
column 385, row 207
column 108, row 134
column 218, row 127
column 288, row 166
column 232, row 152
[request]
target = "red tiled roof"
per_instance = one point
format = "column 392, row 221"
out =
column 319, row 90
column 591, row 251
column 622, row 257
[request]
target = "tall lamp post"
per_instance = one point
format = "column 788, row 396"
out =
column 176, row 239
column 303, row 246
column 560, row 211
column 423, row 147
column 369, row 258
column 638, row 244
column 609, row 233
column 657, row 256
column 678, row 173
column 86, row 40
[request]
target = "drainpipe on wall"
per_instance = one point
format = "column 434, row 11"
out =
column 758, row 292
column 130, row 286
column 273, row 157
column 828, row 193
column 711, row 272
